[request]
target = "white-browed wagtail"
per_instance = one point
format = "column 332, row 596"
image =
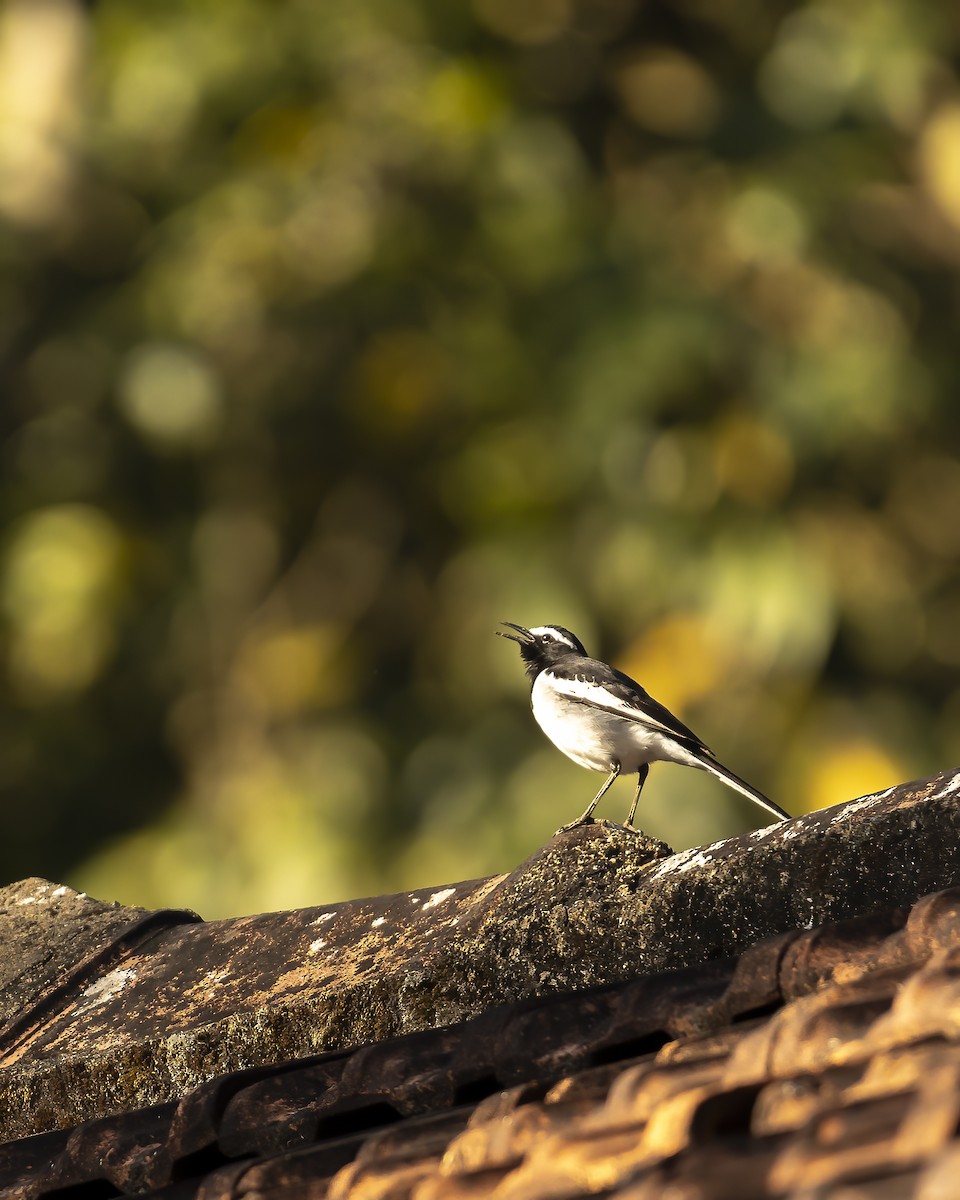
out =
column 604, row 720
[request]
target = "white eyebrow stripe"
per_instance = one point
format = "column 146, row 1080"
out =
column 552, row 632
column 584, row 691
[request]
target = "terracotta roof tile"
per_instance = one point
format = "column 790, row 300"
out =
column 819, row 1064
column 841, row 1091
column 143, row 1007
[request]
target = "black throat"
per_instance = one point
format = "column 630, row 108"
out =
column 539, row 656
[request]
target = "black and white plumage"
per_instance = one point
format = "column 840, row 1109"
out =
column 604, row 720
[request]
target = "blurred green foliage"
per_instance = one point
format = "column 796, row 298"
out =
column 331, row 335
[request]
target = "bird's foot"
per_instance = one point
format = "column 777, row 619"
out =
column 584, row 820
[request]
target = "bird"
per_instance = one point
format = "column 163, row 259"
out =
column 605, row 721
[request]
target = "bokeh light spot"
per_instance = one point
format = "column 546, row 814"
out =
column 42, row 45
column 461, row 99
column 856, row 766
column 529, row 23
column 679, row 660
column 285, row 671
column 753, row 462
column 815, row 62
column 330, row 236
column 668, row 93
column 59, row 587
column 171, row 396
column 939, row 157
column 153, row 93
column 763, row 223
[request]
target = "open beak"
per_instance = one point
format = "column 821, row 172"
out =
column 522, row 637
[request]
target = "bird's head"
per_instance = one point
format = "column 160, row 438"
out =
column 543, row 646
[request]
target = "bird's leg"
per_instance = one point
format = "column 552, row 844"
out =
column 643, row 773
column 587, row 815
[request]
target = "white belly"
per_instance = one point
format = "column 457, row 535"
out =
column 597, row 739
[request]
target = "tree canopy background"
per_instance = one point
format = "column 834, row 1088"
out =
column 333, row 334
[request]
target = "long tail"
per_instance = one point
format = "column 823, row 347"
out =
column 739, row 785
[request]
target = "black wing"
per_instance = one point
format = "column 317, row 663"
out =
column 598, row 685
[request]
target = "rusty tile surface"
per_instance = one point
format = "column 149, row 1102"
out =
column 845, row 1087
column 819, row 1062
column 143, row 1017
column 51, row 936
column 196, row 975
